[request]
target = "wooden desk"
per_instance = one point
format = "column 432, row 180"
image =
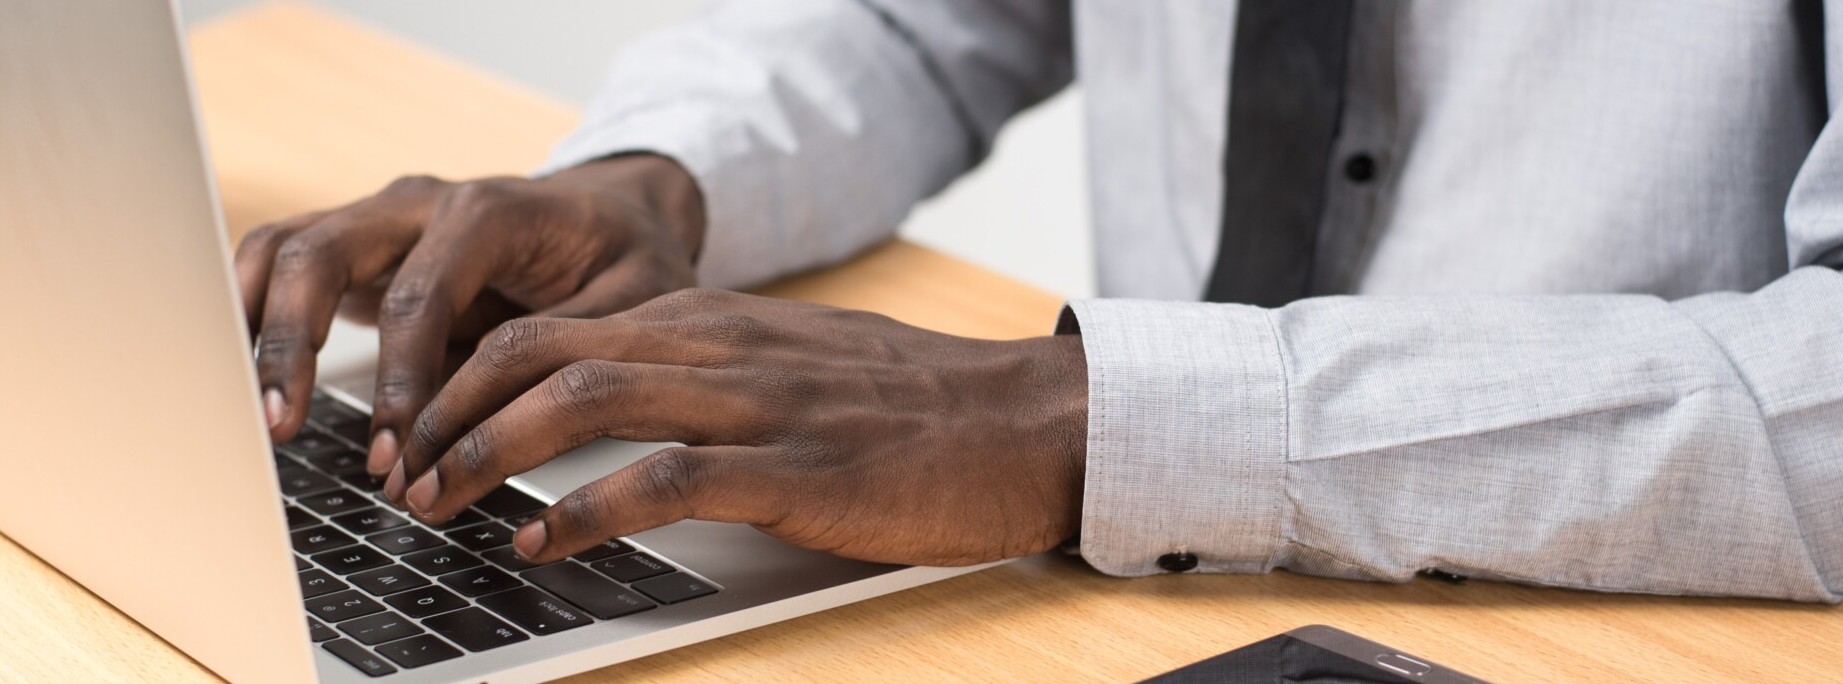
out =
column 305, row 110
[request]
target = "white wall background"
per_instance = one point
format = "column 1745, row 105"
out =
column 1023, row 213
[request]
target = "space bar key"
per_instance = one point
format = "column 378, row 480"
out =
column 593, row 593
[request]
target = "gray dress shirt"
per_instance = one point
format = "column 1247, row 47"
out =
column 1595, row 338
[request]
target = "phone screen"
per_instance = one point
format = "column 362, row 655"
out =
column 1283, row 658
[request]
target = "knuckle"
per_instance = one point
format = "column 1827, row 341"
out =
column 261, row 236
column 415, row 184
column 395, row 393
column 426, row 430
column 276, row 346
column 306, row 250
column 474, row 453
column 680, row 303
column 732, row 329
column 581, row 510
column 585, row 386
column 482, row 193
column 515, row 342
column 669, row 477
column 406, row 299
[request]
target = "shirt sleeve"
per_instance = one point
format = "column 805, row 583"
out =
column 1600, row 442
column 1608, row 442
column 813, row 126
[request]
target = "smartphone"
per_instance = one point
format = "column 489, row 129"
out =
column 1315, row 653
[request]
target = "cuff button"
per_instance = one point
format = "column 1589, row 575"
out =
column 1181, row 561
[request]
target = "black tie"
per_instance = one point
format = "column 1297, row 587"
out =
column 1286, row 95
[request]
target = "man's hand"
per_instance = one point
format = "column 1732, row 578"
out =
column 433, row 262
column 835, row 430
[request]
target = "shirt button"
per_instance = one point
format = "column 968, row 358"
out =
column 1360, row 168
column 1181, row 561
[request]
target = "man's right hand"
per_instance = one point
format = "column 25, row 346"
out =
column 432, row 262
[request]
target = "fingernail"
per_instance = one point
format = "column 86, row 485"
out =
column 421, row 495
column 383, row 453
column 529, row 540
column 393, row 486
column 275, row 405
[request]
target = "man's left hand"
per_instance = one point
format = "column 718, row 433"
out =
column 835, row 430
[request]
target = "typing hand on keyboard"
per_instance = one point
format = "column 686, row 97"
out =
column 831, row 429
column 433, row 262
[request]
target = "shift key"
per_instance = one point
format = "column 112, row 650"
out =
column 598, row 595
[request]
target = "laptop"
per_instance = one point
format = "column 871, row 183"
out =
column 138, row 463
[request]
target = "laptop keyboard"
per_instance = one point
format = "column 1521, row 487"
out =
column 384, row 592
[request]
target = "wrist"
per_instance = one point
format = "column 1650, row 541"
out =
column 665, row 190
column 1056, row 387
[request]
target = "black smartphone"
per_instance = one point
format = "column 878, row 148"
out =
column 1315, row 653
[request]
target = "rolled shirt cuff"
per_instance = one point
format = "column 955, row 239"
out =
column 1187, row 436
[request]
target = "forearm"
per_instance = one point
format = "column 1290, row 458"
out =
column 1604, row 442
column 813, row 127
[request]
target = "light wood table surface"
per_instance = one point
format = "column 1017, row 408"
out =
column 306, row 110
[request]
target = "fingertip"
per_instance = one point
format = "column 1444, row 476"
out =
column 383, row 454
column 394, row 485
column 421, row 496
column 529, row 540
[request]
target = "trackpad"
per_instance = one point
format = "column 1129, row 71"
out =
column 592, row 462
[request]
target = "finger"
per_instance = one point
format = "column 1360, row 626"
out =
column 524, row 352
column 440, row 278
column 256, row 255
column 722, row 484
column 629, row 283
column 310, row 272
column 584, row 401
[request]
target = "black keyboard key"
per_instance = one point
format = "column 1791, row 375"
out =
column 474, row 629
column 352, row 559
column 591, row 592
column 342, row 606
column 310, row 443
column 298, row 481
column 405, row 540
column 482, row 537
column 299, row 517
column 506, row 502
column 480, row 581
column 335, row 502
column 318, row 631
column 318, row 583
column 338, row 462
column 362, row 481
column 537, row 612
column 507, row 558
column 356, row 432
column 330, row 412
column 389, row 580
column 442, row 560
column 632, row 567
column 316, row 539
column 370, row 520
column 421, row 603
column 302, row 564
column 418, row 651
column 675, row 587
column 607, row 549
column 356, row 656
column 372, row 630
column 518, row 521
column 467, row 517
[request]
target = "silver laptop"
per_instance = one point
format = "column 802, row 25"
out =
column 137, row 462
